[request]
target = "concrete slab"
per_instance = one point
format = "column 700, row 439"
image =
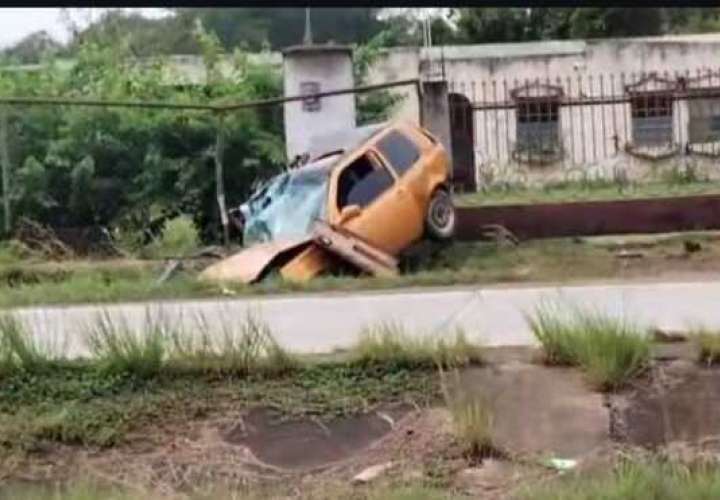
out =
column 541, row 410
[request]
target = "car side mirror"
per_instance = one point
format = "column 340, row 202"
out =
column 349, row 212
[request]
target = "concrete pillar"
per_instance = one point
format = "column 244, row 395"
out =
column 309, row 69
column 436, row 113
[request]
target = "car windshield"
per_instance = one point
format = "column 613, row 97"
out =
column 288, row 205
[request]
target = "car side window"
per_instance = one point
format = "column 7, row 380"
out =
column 361, row 182
column 400, row 151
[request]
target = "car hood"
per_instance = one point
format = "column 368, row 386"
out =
column 248, row 265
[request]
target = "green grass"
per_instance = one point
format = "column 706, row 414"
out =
column 35, row 282
column 708, row 343
column 389, row 342
column 320, row 490
column 589, row 191
column 657, row 480
column 21, row 353
column 154, row 373
column 117, row 347
column 244, row 348
column 610, row 351
column 473, row 424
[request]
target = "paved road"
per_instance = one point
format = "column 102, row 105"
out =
column 322, row 323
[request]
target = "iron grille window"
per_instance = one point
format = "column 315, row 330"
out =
column 311, row 104
column 703, row 120
column 652, row 115
column 538, row 125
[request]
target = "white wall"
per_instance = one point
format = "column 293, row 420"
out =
column 332, row 69
column 590, row 68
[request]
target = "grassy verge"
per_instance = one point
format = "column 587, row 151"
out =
column 708, row 343
column 587, row 191
column 635, row 481
column 610, row 351
column 318, row 491
column 390, row 343
column 563, row 260
column 155, row 373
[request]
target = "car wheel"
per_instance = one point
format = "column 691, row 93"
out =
column 440, row 217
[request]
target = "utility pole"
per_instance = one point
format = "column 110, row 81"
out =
column 220, row 177
column 5, row 165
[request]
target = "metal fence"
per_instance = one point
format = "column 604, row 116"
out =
column 584, row 119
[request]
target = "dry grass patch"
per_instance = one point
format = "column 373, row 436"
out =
column 390, row 343
column 708, row 343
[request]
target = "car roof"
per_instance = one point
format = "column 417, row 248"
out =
column 343, row 140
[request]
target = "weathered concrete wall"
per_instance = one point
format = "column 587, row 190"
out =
column 331, row 68
column 593, row 137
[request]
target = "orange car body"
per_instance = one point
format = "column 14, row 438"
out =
column 395, row 220
column 392, row 218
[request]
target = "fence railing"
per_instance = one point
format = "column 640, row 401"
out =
column 585, row 119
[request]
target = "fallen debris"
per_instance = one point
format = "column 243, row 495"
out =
column 372, row 473
column 39, row 238
column 500, row 234
column 629, row 254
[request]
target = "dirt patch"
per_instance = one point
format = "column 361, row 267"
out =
column 307, row 443
column 680, row 401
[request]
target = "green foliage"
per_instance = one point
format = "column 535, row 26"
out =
column 77, row 166
column 498, row 25
column 610, row 351
column 375, row 106
column 179, row 238
column 635, row 480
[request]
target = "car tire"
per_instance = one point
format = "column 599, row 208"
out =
column 440, row 217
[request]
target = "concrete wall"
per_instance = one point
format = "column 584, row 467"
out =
column 332, row 69
column 583, row 68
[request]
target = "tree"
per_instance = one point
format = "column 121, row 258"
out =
column 33, row 48
column 252, row 27
column 604, row 22
column 496, row 25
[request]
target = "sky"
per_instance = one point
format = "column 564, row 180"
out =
column 17, row 23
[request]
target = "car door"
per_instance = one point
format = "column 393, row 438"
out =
column 403, row 157
column 369, row 186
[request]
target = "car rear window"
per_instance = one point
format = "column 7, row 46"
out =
column 400, row 151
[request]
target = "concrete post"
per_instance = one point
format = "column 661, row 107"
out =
column 312, row 69
column 436, row 113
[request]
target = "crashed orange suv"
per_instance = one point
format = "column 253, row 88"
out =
column 386, row 184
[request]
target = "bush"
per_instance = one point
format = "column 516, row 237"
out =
column 610, row 351
column 388, row 342
column 179, row 237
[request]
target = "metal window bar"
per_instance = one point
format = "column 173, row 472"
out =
column 605, row 114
